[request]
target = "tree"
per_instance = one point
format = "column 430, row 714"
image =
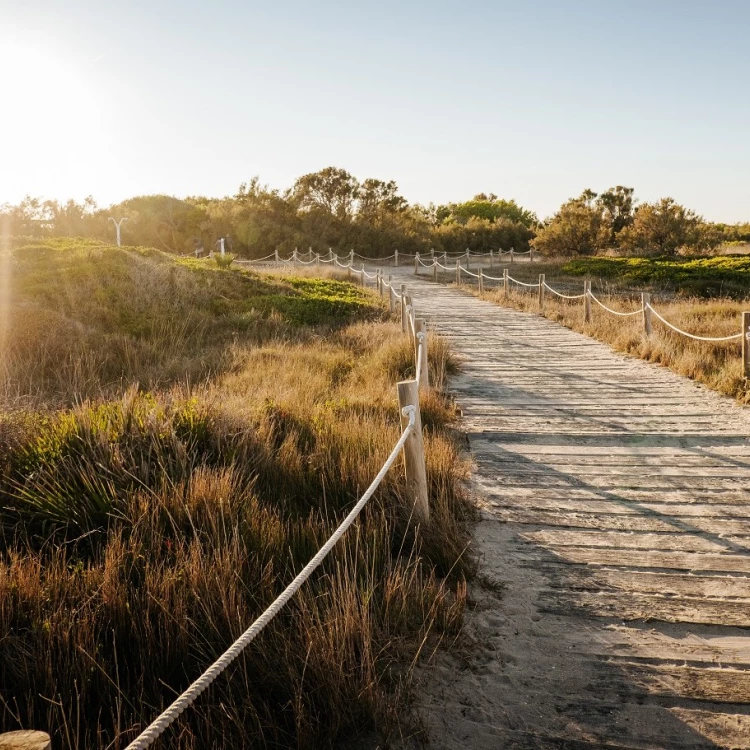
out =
column 662, row 228
column 617, row 205
column 488, row 207
column 378, row 199
column 331, row 190
column 576, row 229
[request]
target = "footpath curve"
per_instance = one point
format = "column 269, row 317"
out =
column 614, row 599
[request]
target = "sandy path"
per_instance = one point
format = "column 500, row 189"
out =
column 614, row 540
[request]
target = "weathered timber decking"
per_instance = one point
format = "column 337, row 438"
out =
column 614, row 546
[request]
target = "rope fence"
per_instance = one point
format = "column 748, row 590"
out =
column 646, row 309
column 410, row 444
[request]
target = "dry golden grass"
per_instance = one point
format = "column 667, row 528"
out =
column 718, row 365
column 143, row 527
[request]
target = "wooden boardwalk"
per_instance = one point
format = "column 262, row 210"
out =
column 615, row 545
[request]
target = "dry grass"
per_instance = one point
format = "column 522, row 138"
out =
column 718, row 365
column 145, row 526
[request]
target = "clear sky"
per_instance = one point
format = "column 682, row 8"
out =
column 531, row 100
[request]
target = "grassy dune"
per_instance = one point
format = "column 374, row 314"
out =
column 176, row 441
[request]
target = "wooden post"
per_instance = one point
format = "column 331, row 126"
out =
column 434, row 269
column 379, row 281
column 395, row 257
column 506, row 284
column 294, row 257
column 746, row 343
column 25, row 739
column 390, row 295
column 468, row 266
column 420, row 328
column 416, row 264
column 490, row 258
column 432, row 253
column 481, row 281
column 335, row 261
column 351, row 258
column 531, row 255
column 276, row 256
column 586, row 301
column 541, row 292
column 458, row 272
column 404, row 319
column 511, row 255
column 317, row 260
column 414, row 466
column 646, row 300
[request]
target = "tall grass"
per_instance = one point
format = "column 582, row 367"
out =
column 144, row 526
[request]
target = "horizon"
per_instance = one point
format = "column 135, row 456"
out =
column 534, row 104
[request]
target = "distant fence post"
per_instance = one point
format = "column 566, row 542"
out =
column 416, row 264
column 390, row 295
column 541, row 292
column 404, row 318
column 432, row 253
column 746, row 343
column 335, row 260
column 506, row 284
column 420, row 351
column 646, row 301
column 468, row 256
column 490, row 258
column 351, row 258
column 25, row 739
column 511, row 255
column 458, row 272
column 276, row 256
column 395, row 257
column 414, row 466
column 317, row 260
column 294, row 257
column 531, row 255
column 586, row 301
column 434, row 269
column 481, row 281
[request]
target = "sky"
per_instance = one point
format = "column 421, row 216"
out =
column 533, row 100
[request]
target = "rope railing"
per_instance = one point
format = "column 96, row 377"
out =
column 169, row 715
column 561, row 295
column 646, row 309
column 734, row 337
column 410, row 442
column 522, row 283
column 614, row 312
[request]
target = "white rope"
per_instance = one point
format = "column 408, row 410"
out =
column 466, row 270
column 369, row 275
column 495, row 278
column 564, row 296
column 615, row 312
column 522, row 283
column 690, row 335
column 157, row 727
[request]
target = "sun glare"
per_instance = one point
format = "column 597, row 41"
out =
column 50, row 128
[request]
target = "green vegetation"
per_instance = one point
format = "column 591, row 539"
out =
column 332, row 209
column 176, row 441
column 727, row 275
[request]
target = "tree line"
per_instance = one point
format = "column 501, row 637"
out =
column 332, row 209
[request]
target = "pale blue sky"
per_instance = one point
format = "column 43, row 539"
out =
column 531, row 100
